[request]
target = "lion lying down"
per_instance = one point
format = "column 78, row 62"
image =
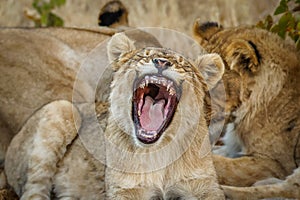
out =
column 155, row 142
column 262, row 139
column 39, row 66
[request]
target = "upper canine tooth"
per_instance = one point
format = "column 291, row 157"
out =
column 170, row 84
column 142, row 85
column 147, row 79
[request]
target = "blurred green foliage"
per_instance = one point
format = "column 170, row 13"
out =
column 47, row 17
column 288, row 23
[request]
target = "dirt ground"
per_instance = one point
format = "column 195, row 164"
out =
column 174, row 14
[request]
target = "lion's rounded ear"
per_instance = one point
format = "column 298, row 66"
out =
column 113, row 14
column 119, row 44
column 204, row 31
column 212, row 68
column 242, row 56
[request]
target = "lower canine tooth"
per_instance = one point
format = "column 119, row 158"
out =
column 168, row 87
column 172, row 91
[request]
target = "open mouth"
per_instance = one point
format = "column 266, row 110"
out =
column 154, row 104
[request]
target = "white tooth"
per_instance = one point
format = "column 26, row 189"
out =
column 172, row 91
column 147, row 80
column 165, row 83
column 142, row 85
column 170, row 84
column 154, row 79
column 140, row 132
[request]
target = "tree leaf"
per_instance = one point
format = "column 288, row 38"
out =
column 283, row 7
column 275, row 29
column 35, row 5
column 260, row 24
column 284, row 21
column 55, row 20
column 269, row 22
column 298, row 43
column 57, row 3
column 297, row 16
column 44, row 19
column 44, row 8
column 60, row 2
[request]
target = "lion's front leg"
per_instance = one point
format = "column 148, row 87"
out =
column 289, row 188
column 5, row 138
column 6, row 135
column 32, row 157
column 127, row 194
column 204, row 188
column 246, row 170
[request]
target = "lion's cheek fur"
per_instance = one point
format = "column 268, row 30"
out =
column 120, row 107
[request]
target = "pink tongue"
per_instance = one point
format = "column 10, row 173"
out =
column 152, row 115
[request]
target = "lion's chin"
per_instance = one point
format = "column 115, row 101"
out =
column 154, row 105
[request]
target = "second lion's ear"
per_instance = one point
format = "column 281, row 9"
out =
column 204, row 31
column 211, row 67
column 119, row 43
column 242, row 56
column 113, row 14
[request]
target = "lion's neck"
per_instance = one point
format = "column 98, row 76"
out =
column 123, row 153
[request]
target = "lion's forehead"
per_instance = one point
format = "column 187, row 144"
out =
column 146, row 55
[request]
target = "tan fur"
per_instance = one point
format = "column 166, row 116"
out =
column 288, row 188
column 39, row 66
column 48, row 158
column 31, row 63
column 31, row 60
column 159, row 170
column 265, row 127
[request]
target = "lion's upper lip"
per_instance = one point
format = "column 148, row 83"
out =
column 155, row 101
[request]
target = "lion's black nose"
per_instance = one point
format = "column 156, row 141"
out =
column 161, row 63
